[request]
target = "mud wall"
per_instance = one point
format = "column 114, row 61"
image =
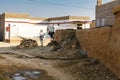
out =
column 62, row 34
column 103, row 43
column 94, row 41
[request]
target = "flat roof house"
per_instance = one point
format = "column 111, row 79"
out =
column 23, row 25
column 17, row 24
column 70, row 22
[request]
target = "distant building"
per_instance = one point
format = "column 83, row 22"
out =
column 70, row 22
column 104, row 15
column 93, row 24
column 23, row 25
column 13, row 25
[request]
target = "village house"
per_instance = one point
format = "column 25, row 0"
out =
column 12, row 25
column 104, row 14
column 23, row 25
column 70, row 22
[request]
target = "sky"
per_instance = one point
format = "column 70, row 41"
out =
column 50, row 8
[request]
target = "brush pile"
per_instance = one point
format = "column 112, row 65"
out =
column 69, row 42
column 27, row 43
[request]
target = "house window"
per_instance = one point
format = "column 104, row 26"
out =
column 79, row 26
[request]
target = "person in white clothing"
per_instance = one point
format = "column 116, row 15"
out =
column 41, row 37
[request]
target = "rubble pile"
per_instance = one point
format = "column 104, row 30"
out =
column 55, row 45
column 70, row 42
column 27, row 43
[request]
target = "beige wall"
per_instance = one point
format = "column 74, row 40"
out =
column 62, row 34
column 104, row 44
column 101, row 43
column 96, row 42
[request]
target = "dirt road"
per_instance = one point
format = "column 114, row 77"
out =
column 13, row 60
column 65, row 65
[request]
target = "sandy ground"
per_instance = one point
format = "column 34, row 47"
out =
column 13, row 59
column 62, row 65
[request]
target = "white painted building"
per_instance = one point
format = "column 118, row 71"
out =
column 70, row 22
column 23, row 25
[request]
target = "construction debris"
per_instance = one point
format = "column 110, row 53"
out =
column 55, row 45
column 70, row 42
column 27, row 43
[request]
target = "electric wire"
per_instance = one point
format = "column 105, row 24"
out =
column 60, row 4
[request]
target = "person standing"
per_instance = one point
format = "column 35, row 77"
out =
column 41, row 37
column 51, row 32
